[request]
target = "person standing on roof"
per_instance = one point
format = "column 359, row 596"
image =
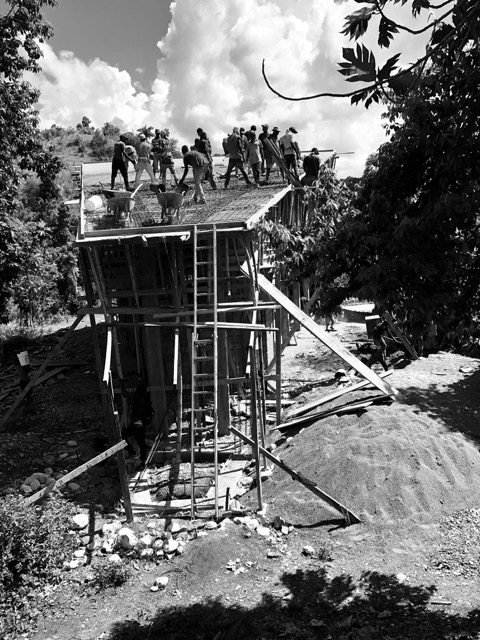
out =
column 262, row 137
column 205, row 147
column 120, row 162
column 166, row 157
column 199, row 163
column 270, row 159
column 311, row 166
column 254, row 155
column 156, row 150
column 143, row 150
column 290, row 150
column 236, row 157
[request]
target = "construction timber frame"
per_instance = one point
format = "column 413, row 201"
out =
column 197, row 309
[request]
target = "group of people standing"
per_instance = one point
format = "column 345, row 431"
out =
column 245, row 149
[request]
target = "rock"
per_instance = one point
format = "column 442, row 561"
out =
column 48, row 471
column 252, row 524
column 151, row 526
column 91, row 546
column 247, row 481
column 41, row 477
column 161, row 581
column 34, row 483
column 170, row 545
column 115, row 559
column 126, row 539
column 175, row 527
column 210, row 525
column 73, row 486
column 308, row 550
column 278, row 522
column 62, row 456
column 50, row 480
column 263, row 531
column 285, row 530
column 158, row 543
column 26, row 489
column 74, row 564
column 401, row 577
column 79, row 521
column 72, row 443
column 159, row 553
column 273, row 553
column 111, row 528
column 146, row 540
column 79, row 553
column 107, row 545
column 202, row 534
column 147, row 553
column 154, row 587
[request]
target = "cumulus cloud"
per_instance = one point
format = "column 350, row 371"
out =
column 209, row 75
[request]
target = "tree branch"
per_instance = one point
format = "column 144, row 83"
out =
column 413, row 31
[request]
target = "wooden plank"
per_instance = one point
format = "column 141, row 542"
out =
column 327, row 340
column 350, row 517
column 332, row 396
column 393, row 327
column 76, row 472
column 352, row 406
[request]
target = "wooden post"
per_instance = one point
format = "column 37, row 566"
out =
column 122, row 472
column 254, row 426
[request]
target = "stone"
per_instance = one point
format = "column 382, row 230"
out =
column 79, row 521
column 175, row 527
column 74, row 564
column 247, row 481
column 161, row 581
column 154, row 587
column 48, row 471
column 273, row 553
column 111, row 528
column 158, row 543
column 115, row 559
column 126, row 539
column 41, row 477
column 159, row 553
column 147, row 553
column 91, row 546
column 26, row 489
column 278, row 522
column 210, row 525
column 107, row 545
column 73, row 486
column 170, row 546
column 285, row 530
column 72, row 443
column 50, row 480
column 34, row 483
column 79, row 553
column 308, row 550
column 146, row 540
column 252, row 524
column 263, row 531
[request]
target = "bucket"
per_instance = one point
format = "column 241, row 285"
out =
column 23, row 358
column 93, row 203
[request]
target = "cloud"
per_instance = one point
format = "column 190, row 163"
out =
column 209, row 75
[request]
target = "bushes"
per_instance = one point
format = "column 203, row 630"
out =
column 33, row 546
column 108, row 574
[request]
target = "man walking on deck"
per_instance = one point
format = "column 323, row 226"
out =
column 236, row 158
column 143, row 150
column 199, row 164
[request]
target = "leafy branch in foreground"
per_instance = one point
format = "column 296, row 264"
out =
column 450, row 32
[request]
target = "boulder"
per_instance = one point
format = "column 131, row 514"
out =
column 210, row 525
column 115, row 559
column 263, row 531
column 34, row 483
column 147, row 553
column 41, row 477
column 308, row 550
column 146, row 541
column 73, row 486
column 126, row 539
column 161, row 581
column 79, row 521
column 26, row 489
column 170, row 546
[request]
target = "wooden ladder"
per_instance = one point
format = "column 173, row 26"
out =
column 204, row 364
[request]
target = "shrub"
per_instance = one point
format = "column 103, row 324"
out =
column 33, row 546
column 108, row 574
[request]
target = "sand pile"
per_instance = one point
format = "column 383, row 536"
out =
column 390, row 463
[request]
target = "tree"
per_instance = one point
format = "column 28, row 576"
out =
column 22, row 29
column 110, row 130
column 147, row 131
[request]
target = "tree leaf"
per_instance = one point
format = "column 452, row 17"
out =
column 386, row 30
column 387, row 69
column 357, row 23
column 362, row 67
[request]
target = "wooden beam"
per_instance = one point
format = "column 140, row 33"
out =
column 76, row 472
column 393, row 327
column 350, row 518
column 327, row 340
column 352, row 406
column 331, row 396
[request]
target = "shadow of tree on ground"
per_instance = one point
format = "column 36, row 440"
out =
column 313, row 606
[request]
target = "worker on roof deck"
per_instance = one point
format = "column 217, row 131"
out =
column 270, row 158
column 199, row 163
column 262, row 137
column 205, row 147
column 143, row 150
column 157, row 146
column 120, row 162
column 254, row 155
column 290, row 150
column 236, row 157
column 311, row 166
column 166, row 157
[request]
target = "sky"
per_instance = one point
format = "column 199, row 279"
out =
column 189, row 63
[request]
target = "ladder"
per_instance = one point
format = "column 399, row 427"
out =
column 204, row 364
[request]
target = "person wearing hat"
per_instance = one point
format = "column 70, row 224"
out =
column 143, row 150
column 236, row 156
column 166, row 157
column 262, row 137
column 311, row 166
column 120, row 162
column 290, row 150
column 271, row 159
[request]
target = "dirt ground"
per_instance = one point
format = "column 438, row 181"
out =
column 410, row 470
